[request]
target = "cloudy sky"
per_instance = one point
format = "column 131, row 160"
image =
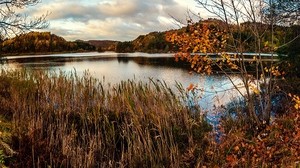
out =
column 111, row 19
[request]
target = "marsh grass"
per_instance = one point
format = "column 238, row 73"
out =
column 63, row 120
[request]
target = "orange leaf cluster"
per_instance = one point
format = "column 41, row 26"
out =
column 296, row 99
column 274, row 71
column 195, row 42
column 191, row 87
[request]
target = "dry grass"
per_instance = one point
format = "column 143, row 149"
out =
column 61, row 120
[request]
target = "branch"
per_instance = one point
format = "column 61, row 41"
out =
column 290, row 41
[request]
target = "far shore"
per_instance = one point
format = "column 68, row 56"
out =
column 42, row 53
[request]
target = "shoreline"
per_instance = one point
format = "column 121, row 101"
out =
column 42, row 53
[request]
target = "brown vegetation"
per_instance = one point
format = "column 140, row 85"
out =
column 61, row 120
column 70, row 121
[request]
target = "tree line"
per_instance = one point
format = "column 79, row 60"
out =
column 41, row 42
column 157, row 41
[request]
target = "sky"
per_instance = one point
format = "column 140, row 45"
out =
column 121, row 20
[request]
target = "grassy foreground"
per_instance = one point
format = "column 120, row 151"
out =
column 59, row 120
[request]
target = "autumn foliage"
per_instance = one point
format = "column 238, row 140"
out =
column 278, row 144
column 252, row 137
column 41, row 42
column 196, row 41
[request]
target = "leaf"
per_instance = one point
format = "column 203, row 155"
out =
column 232, row 160
column 191, row 87
column 236, row 148
column 254, row 89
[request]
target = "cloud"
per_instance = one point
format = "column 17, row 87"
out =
column 110, row 19
column 119, row 7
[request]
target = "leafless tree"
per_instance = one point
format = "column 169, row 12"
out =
column 261, row 16
column 284, row 12
column 12, row 22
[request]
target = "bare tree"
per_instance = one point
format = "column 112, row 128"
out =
column 262, row 16
column 256, row 17
column 285, row 12
column 12, row 22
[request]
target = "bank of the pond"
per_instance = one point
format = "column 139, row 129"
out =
column 65, row 120
column 70, row 121
column 43, row 53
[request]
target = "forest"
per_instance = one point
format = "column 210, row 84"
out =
column 156, row 42
column 42, row 42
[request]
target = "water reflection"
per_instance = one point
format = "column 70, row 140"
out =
column 213, row 90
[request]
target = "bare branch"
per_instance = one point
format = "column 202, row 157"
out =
column 12, row 22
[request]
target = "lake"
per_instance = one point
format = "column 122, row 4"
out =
column 112, row 68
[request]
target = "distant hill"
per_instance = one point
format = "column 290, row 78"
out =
column 42, row 42
column 155, row 42
column 103, row 45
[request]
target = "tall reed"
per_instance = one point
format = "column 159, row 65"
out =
column 66, row 120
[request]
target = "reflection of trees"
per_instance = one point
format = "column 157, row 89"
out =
column 52, row 61
column 122, row 58
column 45, row 63
column 48, row 66
column 3, row 60
column 159, row 61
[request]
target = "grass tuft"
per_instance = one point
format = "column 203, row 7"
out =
column 63, row 120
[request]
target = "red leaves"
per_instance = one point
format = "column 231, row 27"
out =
column 278, row 144
column 232, row 160
column 191, row 87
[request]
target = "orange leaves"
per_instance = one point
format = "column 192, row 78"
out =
column 227, row 59
column 277, row 144
column 236, row 148
column 191, row 87
column 199, row 39
column 274, row 71
column 232, row 160
column 200, row 64
column 296, row 100
column 254, row 89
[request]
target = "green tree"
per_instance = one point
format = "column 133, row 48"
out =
column 291, row 51
column 123, row 47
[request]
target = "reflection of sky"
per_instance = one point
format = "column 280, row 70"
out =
column 212, row 89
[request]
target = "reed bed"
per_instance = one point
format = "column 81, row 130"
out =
column 66, row 120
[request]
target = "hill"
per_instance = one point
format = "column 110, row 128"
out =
column 156, row 42
column 42, row 42
column 103, row 45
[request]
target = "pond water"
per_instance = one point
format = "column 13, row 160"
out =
column 112, row 68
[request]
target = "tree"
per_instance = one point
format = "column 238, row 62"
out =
column 123, row 47
column 259, row 79
column 283, row 12
column 12, row 22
